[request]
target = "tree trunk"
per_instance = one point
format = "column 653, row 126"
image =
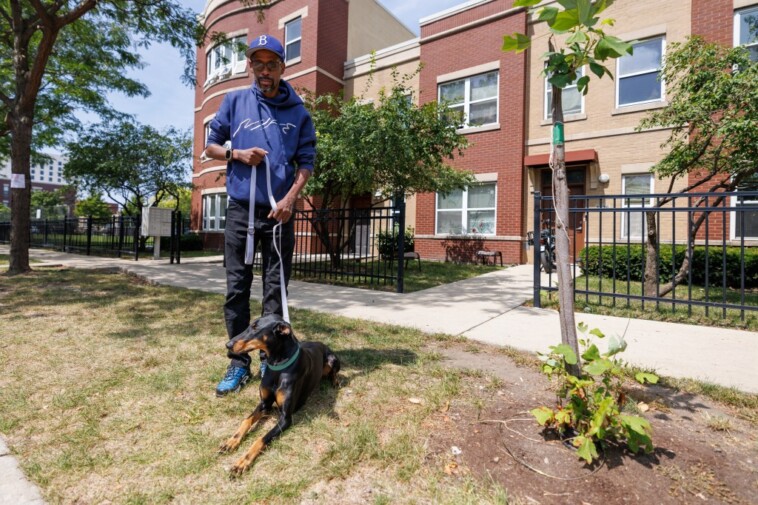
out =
column 562, row 239
column 21, row 141
column 650, row 279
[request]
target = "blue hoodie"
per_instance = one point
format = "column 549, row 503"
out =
column 280, row 125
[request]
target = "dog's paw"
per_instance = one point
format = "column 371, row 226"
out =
column 239, row 468
column 230, row 445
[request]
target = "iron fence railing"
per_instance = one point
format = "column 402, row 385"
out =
column 703, row 245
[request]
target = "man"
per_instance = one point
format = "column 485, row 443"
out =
column 267, row 119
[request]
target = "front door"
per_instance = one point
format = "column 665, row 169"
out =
column 576, row 178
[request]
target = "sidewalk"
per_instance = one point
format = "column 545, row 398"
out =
column 487, row 308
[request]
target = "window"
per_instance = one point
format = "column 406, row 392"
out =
column 214, row 212
column 573, row 101
column 635, row 185
column 225, row 59
column 292, row 39
column 207, row 133
column 744, row 222
column 638, row 79
column 746, row 30
column 473, row 98
column 467, row 211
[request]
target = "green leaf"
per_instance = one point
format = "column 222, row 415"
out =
column 578, row 37
column 598, row 367
column 564, row 21
column 613, row 47
column 643, row 377
column 615, row 346
column 597, row 69
column 583, row 86
column 584, row 7
column 582, row 327
column 518, row 43
column 591, row 354
column 635, row 423
column 597, row 333
column 568, row 4
column 547, row 14
column 569, row 356
column 543, row 415
column 585, row 448
column 560, row 80
column 526, row 3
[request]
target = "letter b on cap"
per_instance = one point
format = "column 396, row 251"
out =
column 262, row 40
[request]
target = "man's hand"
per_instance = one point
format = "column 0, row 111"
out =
column 252, row 156
column 284, row 209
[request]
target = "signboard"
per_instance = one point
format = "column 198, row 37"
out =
column 156, row 222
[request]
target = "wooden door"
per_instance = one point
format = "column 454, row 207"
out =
column 576, row 178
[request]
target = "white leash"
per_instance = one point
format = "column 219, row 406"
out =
column 249, row 245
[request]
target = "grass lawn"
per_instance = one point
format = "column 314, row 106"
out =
column 664, row 311
column 107, row 395
column 5, row 260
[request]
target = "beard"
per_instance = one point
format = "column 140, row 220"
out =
column 266, row 84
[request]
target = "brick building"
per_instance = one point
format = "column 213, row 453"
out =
column 46, row 175
column 319, row 36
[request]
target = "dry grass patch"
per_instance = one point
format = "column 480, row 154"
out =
column 107, row 395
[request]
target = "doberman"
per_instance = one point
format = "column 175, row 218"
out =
column 294, row 369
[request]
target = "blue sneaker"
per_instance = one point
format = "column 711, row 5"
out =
column 236, row 377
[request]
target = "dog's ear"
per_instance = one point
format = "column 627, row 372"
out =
column 283, row 329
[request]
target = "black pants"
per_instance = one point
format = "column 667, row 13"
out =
column 239, row 277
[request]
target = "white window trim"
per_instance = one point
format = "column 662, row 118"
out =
column 737, row 24
column 300, row 13
column 661, row 82
column 237, row 63
column 464, row 213
column 213, row 195
column 734, row 202
column 625, row 205
column 548, row 105
column 466, row 128
column 298, row 58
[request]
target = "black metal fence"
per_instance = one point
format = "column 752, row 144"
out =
column 703, row 250
column 113, row 236
column 349, row 246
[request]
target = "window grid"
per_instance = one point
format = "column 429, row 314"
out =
column 225, row 59
column 483, row 217
column 633, row 223
column 750, row 218
column 293, row 39
column 625, row 78
column 467, row 101
column 743, row 35
column 214, row 212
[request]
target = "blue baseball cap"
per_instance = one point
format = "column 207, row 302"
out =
column 266, row 42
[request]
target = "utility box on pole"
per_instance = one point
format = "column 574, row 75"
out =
column 156, row 222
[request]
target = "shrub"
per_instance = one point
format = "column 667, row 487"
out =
column 187, row 242
column 613, row 261
column 387, row 242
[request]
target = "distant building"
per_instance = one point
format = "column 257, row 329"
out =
column 46, row 175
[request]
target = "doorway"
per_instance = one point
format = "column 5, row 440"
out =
column 576, row 178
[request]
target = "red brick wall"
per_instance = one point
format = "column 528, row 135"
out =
column 500, row 151
column 713, row 20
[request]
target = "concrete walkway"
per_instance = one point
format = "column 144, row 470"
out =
column 487, row 308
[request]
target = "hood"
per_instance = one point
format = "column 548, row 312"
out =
column 286, row 98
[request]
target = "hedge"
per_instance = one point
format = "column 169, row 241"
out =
column 599, row 261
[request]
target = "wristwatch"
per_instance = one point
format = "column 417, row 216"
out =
column 228, row 155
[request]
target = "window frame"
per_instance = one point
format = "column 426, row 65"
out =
column 287, row 43
column 212, row 218
column 661, row 82
column 237, row 63
column 547, row 101
column 626, row 206
column 467, row 101
column 464, row 210
column 733, row 216
column 738, row 13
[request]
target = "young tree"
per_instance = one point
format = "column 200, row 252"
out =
column 48, row 203
column 93, row 206
column 585, row 43
column 180, row 201
column 712, row 111
column 63, row 56
column 391, row 147
column 130, row 163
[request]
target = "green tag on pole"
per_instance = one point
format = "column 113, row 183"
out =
column 558, row 134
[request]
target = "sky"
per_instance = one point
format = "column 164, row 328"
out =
column 171, row 102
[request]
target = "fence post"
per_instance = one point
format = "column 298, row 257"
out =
column 179, row 231
column 120, row 234
column 137, row 224
column 400, row 216
column 65, row 232
column 536, row 223
column 89, row 234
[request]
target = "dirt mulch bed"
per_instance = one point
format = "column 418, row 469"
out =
column 703, row 453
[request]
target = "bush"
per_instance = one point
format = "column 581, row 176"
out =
column 612, row 261
column 187, row 242
column 387, row 242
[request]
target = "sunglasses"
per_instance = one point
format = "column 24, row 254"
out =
column 260, row 65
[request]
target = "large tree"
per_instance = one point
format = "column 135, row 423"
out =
column 93, row 206
column 63, row 56
column 576, row 39
column 388, row 147
column 134, row 165
column 712, row 92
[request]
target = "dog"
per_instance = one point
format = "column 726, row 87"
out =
column 293, row 370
